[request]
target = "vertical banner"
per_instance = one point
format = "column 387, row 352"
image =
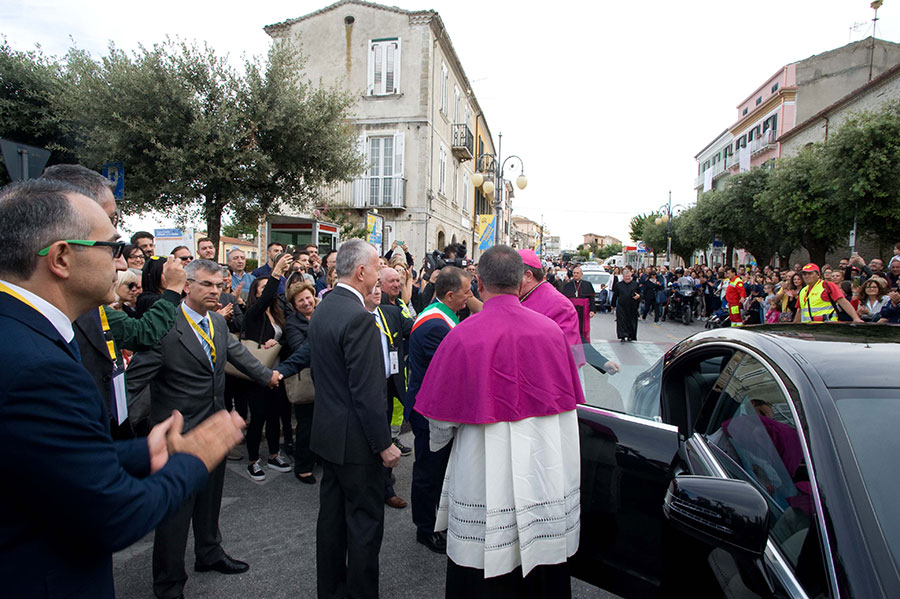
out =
column 486, row 223
column 375, row 230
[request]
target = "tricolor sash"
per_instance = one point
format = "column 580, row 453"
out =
column 437, row 310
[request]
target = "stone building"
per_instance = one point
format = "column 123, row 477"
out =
column 796, row 92
column 420, row 126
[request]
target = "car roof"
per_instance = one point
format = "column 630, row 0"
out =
column 844, row 355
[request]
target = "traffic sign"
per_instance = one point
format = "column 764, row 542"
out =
column 23, row 161
column 115, row 172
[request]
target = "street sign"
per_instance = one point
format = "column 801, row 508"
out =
column 115, row 172
column 23, row 161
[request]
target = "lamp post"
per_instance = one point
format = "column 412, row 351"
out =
column 490, row 168
column 666, row 217
column 875, row 5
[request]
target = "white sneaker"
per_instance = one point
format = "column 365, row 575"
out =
column 256, row 472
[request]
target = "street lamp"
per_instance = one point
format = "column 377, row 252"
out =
column 666, row 217
column 875, row 6
column 488, row 169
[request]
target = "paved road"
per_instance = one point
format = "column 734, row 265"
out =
column 272, row 525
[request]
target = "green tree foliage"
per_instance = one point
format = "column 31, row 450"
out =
column 31, row 90
column 200, row 140
column 863, row 157
column 609, row 250
column 689, row 234
column 803, row 200
column 637, row 223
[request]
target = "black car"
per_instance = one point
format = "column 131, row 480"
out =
column 752, row 462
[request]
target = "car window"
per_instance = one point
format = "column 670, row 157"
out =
column 689, row 383
column 757, row 440
column 633, row 390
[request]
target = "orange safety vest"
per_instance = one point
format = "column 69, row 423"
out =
column 813, row 308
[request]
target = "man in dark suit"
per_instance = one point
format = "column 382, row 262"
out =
column 393, row 329
column 186, row 371
column 82, row 496
column 349, row 430
column 102, row 333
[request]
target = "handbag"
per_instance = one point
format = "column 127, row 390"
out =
column 268, row 357
column 299, row 388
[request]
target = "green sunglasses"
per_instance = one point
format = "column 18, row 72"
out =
column 117, row 247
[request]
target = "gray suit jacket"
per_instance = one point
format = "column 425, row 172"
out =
column 180, row 376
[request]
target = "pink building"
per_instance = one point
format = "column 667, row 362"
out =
column 790, row 96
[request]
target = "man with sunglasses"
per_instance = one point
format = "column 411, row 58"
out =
column 102, row 333
column 82, row 496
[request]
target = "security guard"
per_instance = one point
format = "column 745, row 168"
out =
column 818, row 298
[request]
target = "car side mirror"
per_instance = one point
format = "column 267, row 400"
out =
column 721, row 512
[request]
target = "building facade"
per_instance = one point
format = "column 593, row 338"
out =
column 794, row 93
column 601, row 241
column 420, row 127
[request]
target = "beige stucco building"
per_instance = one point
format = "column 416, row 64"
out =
column 419, row 124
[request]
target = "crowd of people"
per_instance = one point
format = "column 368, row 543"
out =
column 853, row 291
column 325, row 357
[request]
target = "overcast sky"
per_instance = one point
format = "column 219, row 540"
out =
column 606, row 102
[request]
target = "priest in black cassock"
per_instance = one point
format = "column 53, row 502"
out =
column 628, row 296
column 582, row 295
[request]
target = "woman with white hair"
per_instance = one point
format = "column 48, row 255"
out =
column 128, row 288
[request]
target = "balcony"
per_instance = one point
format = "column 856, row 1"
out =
column 717, row 169
column 367, row 192
column 463, row 142
column 766, row 141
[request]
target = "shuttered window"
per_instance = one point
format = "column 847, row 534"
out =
column 384, row 66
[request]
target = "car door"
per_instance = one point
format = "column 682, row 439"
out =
column 630, row 450
column 750, row 430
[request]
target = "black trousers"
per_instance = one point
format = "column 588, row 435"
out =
column 232, row 400
column 349, row 530
column 170, row 540
column 389, row 407
column 543, row 582
column 427, row 475
column 304, row 458
column 264, row 411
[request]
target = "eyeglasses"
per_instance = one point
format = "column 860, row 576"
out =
column 132, row 286
column 117, row 247
column 187, row 258
column 137, row 256
column 208, row 285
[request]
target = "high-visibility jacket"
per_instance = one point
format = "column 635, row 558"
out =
column 734, row 291
column 813, row 306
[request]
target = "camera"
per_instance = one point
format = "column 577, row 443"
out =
column 437, row 260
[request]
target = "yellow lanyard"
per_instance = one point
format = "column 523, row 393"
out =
column 385, row 329
column 208, row 338
column 9, row 291
column 110, row 344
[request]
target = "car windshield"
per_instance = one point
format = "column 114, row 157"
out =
column 631, row 384
column 871, row 418
column 596, row 277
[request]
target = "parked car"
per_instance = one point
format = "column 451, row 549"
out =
column 596, row 277
column 751, row 462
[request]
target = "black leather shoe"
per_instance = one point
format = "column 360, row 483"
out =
column 306, row 480
column 226, row 565
column 434, row 541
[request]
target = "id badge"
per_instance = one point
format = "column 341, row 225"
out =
column 118, row 389
column 395, row 362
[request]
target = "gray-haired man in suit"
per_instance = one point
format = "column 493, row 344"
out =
column 186, row 371
column 350, row 431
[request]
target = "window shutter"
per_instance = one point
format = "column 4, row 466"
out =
column 389, row 66
column 398, row 154
column 395, row 71
column 371, row 77
column 360, row 183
